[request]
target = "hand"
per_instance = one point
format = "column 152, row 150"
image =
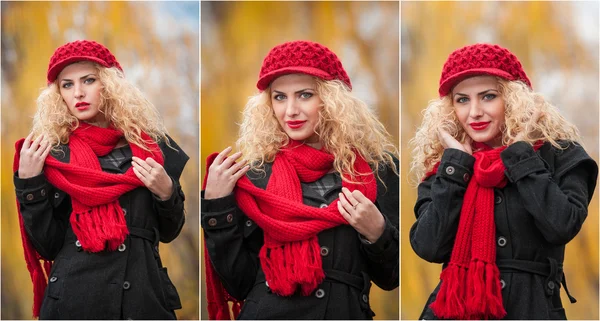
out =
column 223, row 173
column 154, row 177
column 32, row 156
column 535, row 117
column 362, row 214
column 450, row 142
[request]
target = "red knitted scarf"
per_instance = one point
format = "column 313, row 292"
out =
column 290, row 256
column 97, row 218
column 471, row 282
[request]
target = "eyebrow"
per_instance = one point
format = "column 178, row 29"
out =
column 65, row 79
column 297, row 92
column 478, row 94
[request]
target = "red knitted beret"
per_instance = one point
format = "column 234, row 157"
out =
column 303, row 57
column 77, row 51
column 480, row 59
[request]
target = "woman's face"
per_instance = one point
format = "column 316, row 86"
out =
column 80, row 89
column 296, row 106
column 480, row 109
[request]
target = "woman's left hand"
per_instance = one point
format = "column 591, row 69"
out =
column 154, row 176
column 362, row 214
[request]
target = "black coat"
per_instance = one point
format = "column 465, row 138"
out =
column 537, row 213
column 123, row 284
column 233, row 242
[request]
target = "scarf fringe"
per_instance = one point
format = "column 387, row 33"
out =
column 302, row 266
column 449, row 303
column 100, row 228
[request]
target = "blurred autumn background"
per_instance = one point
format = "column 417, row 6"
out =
column 557, row 43
column 236, row 36
column 157, row 45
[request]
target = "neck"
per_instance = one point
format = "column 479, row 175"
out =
column 316, row 145
column 102, row 124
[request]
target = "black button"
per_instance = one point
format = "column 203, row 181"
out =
column 323, row 205
column 156, row 248
column 466, row 177
column 29, row 197
column 122, row 247
column 498, row 200
column 324, row 251
column 229, row 218
column 320, row 293
column 502, row 283
column 77, row 243
column 249, row 223
column 502, row 241
column 56, row 195
column 450, row 170
column 551, row 285
column 43, row 192
column 126, row 285
column 53, row 279
column 212, row 222
column 365, row 298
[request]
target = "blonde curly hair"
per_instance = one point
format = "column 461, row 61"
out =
column 345, row 125
column 123, row 105
column 520, row 103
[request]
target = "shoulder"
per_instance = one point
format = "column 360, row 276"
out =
column 174, row 156
column 566, row 157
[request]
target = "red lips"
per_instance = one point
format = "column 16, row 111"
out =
column 295, row 124
column 480, row 125
column 81, row 105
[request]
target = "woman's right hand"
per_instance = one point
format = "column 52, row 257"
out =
column 32, row 156
column 223, row 173
column 450, row 142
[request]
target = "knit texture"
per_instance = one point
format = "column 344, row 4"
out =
column 290, row 256
column 304, row 57
column 97, row 219
column 77, row 51
column 480, row 59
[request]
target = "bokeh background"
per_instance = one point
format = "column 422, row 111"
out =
column 557, row 43
column 157, row 44
column 236, row 36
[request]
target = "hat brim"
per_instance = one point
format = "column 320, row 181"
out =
column 264, row 81
column 452, row 81
column 59, row 66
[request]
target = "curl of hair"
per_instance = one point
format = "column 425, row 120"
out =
column 123, row 105
column 345, row 126
column 520, row 102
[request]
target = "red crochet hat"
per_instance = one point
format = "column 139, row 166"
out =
column 77, row 51
column 480, row 59
column 304, row 57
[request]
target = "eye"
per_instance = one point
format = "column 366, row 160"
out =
column 306, row 95
column 88, row 81
column 489, row 96
column 67, row 85
column 279, row 97
column 462, row 100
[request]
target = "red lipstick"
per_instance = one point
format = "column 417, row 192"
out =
column 82, row 105
column 480, row 125
column 295, row 124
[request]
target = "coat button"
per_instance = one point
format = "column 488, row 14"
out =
column 77, row 243
column 502, row 283
column 29, row 197
column 229, row 218
column 466, row 177
column 126, row 285
column 122, row 247
column 124, row 211
column 249, row 223
column 323, row 205
column 212, row 222
column 267, row 283
column 156, row 248
column 43, row 192
column 551, row 285
column 450, row 170
column 324, row 251
column 320, row 293
column 498, row 200
column 53, row 279
column 56, row 195
column 502, row 241
column 365, row 298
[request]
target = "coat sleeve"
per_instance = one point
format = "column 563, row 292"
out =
column 232, row 244
column 384, row 253
column 556, row 195
column 45, row 211
column 438, row 207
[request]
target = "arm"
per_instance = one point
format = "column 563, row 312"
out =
column 233, row 255
column 171, row 213
column 438, row 206
column 45, row 217
column 557, row 201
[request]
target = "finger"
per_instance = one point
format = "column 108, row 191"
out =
column 140, row 176
column 236, row 167
column 41, row 149
column 231, row 159
column 47, row 151
column 36, row 142
column 152, row 163
column 27, row 141
column 137, row 167
column 222, row 155
column 346, row 204
column 342, row 211
column 142, row 163
column 241, row 172
column 353, row 201
column 360, row 197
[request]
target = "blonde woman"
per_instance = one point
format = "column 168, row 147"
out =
column 301, row 227
column 505, row 185
column 97, row 185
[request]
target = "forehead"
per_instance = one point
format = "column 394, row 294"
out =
column 79, row 68
column 476, row 83
column 293, row 81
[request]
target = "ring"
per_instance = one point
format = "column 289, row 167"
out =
column 354, row 207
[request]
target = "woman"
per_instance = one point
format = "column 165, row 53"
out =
column 505, row 186
column 313, row 217
column 97, row 185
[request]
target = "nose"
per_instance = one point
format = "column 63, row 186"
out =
column 78, row 91
column 476, row 111
column 291, row 109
